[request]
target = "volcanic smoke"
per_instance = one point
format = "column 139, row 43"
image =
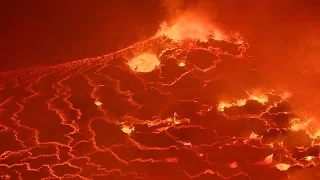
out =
column 184, row 104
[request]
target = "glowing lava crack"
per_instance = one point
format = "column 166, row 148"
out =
column 181, row 105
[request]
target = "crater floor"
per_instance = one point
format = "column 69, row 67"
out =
column 156, row 110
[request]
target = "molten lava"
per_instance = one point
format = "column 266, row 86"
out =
column 144, row 63
column 183, row 104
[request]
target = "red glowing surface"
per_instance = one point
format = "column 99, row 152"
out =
column 184, row 104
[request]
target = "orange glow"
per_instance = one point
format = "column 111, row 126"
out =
column 98, row 103
column 127, row 129
column 268, row 159
column 193, row 101
column 282, row 166
column 144, row 63
column 297, row 124
column 310, row 126
column 223, row 105
column 309, row 158
column 259, row 97
column 253, row 136
column 182, row 64
column 189, row 26
column 175, row 120
column 233, row 165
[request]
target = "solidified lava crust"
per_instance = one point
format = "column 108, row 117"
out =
column 196, row 115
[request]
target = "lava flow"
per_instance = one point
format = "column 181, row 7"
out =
column 184, row 104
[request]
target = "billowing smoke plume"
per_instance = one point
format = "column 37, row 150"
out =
column 174, row 8
column 203, row 8
column 285, row 48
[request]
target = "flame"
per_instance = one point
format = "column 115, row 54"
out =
column 98, row 103
column 259, row 97
column 241, row 102
column 182, row 64
column 297, row 124
column 309, row 158
column 310, row 126
column 283, row 166
column 127, row 129
column 191, row 27
column 222, row 105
